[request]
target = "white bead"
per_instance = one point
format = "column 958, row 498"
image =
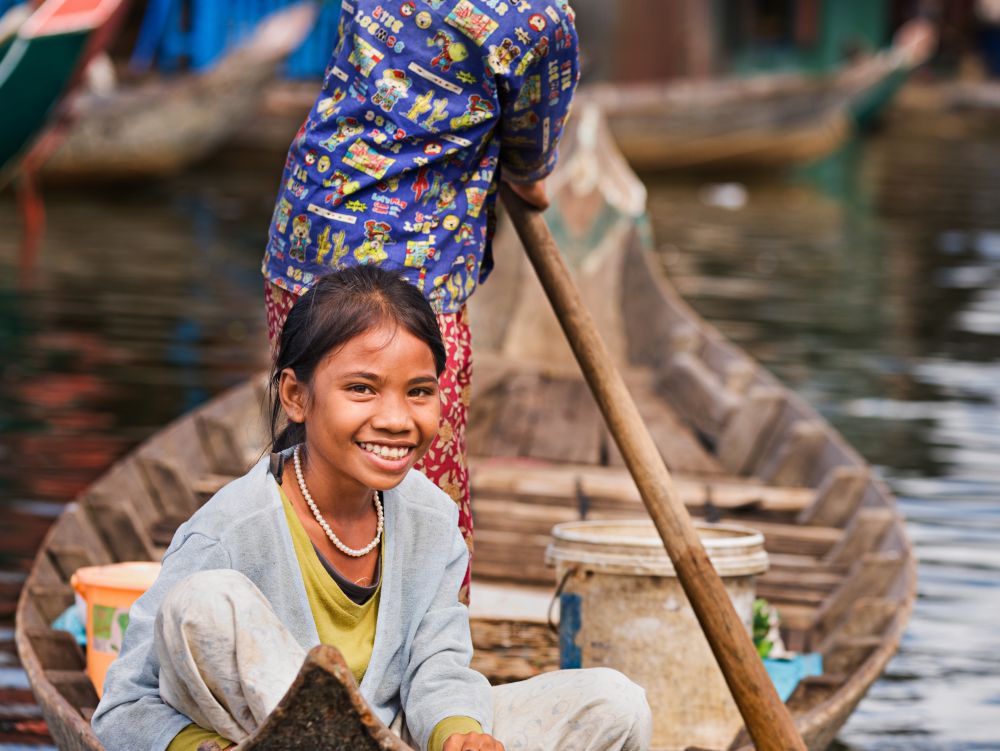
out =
column 326, row 527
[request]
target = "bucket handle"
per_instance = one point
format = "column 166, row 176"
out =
column 562, row 583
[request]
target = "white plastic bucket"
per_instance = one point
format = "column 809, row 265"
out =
column 621, row 606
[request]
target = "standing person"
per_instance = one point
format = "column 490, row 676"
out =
column 334, row 540
column 425, row 105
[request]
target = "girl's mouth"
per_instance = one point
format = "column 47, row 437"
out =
column 390, row 453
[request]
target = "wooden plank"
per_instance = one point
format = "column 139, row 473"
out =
column 220, row 441
column 696, row 393
column 167, row 482
column 120, row 528
column 867, row 617
column 50, row 600
column 515, row 422
column 569, row 424
column 837, row 497
column 862, row 535
column 871, row 576
column 748, row 429
column 56, row 650
column 613, row 487
column 75, row 686
column 795, row 459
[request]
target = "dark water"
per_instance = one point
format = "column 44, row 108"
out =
column 870, row 284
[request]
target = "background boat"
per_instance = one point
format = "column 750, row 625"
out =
column 165, row 124
column 757, row 121
column 40, row 61
column 742, row 447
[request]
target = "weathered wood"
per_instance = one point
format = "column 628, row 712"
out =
column 68, row 558
column 871, row 576
column 50, row 599
column 168, row 482
column 119, row 527
column 75, row 686
column 837, row 498
column 696, row 393
column 612, row 487
column 323, row 709
column 862, row 535
column 867, row 617
column 747, row 428
column 56, row 650
column 221, row 444
column 567, row 426
column 766, row 717
column 795, row 459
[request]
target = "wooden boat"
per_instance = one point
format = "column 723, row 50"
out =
column 164, row 125
column 761, row 121
column 741, row 446
column 38, row 63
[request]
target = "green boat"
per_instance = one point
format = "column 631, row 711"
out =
column 39, row 63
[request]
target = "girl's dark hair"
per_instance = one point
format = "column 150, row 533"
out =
column 339, row 307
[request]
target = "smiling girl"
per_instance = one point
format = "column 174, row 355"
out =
column 335, row 539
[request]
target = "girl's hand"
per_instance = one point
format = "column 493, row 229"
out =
column 472, row 742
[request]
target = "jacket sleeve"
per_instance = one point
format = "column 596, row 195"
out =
column 535, row 90
column 437, row 681
column 131, row 714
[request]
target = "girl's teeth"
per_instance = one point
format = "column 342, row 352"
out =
column 386, row 452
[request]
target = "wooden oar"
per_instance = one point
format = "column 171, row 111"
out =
column 767, row 718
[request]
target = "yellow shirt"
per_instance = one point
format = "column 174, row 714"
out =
column 339, row 621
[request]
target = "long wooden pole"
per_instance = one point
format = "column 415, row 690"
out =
column 766, row 716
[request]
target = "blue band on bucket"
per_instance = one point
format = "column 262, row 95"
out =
column 570, row 655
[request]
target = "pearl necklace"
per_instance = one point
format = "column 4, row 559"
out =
column 354, row 553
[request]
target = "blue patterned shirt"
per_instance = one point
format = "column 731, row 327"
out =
column 424, row 103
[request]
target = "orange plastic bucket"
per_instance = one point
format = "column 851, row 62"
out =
column 109, row 592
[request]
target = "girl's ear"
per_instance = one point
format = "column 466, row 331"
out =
column 293, row 395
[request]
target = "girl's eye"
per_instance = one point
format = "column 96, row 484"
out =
column 360, row 388
column 422, row 391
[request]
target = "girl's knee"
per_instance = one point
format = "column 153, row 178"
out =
column 206, row 592
column 620, row 698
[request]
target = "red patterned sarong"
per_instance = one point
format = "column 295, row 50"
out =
column 445, row 463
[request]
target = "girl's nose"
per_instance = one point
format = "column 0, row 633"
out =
column 393, row 415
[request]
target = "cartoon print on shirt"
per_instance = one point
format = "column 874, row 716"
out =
column 324, row 246
column 502, row 55
column 347, row 128
column 342, row 186
column 439, row 113
column 476, row 111
column 393, row 86
column 462, row 59
column 372, row 250
column 418, row 252
column 300, row 237
column 364, row 57
column 365, row 159
column 465, row 235
column 471, row 21
column 451, row 51
column 282, row 213
column 530, row 93
column 475, row 197
column 420, row 105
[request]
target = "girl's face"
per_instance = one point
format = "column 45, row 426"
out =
column 371, row 411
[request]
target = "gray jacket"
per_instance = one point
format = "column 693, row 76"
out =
column 420, row 659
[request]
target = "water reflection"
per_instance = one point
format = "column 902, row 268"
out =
column 145, row 302
column 871, row 284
